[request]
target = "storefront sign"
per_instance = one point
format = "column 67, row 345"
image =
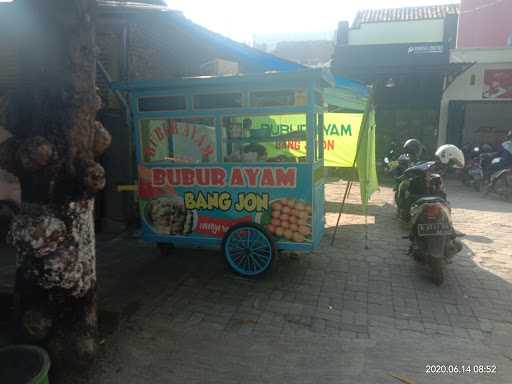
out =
column 425, row 49
column 497, row 84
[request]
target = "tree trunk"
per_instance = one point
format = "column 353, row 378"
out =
column 52, row 151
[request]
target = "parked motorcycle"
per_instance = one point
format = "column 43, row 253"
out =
column 478, row 161
column 423, row 200
column 397, row 166
column 390, row 158
column 472, row 173
column 500, row 183
column 412, row 153
column 499, row 171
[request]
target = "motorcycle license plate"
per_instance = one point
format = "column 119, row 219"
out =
column 434, row 229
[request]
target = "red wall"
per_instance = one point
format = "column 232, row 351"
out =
column 487, row 27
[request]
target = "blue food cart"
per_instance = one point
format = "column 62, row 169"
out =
column 234, row 162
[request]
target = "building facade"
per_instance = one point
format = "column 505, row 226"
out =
column 311, row 49
column 404, row 54
column 476, row 106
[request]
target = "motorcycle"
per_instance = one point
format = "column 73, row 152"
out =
column 478, row 165
column 389, row 161
column 397, row 168
column 423, row 200
column 500, row 182
column 472, row 174
column 411, row 184
column 498, row 171
column 412, row 150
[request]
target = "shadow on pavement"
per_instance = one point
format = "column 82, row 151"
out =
column 348, row 313
column 478, row 239
column 463, row 197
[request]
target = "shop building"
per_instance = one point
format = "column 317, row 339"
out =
column 476, row 105
column 404, row 54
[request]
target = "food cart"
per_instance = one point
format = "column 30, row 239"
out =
column 220, row 164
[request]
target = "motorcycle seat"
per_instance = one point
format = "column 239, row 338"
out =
column 421, row 167
column 430, row 199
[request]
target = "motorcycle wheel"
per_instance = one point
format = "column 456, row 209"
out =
column 436, row 264
column 465, row 180
column 477, row 185
column 501, row 188
column 403, row 214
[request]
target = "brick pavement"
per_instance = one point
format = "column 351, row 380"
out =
column 341, row 314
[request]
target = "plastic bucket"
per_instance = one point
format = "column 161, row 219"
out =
column 24, row 364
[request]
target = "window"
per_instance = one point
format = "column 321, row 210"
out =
column 179, row 140
column 264, row 138
column 163, row 103
column 278, row 98
column 218, row 100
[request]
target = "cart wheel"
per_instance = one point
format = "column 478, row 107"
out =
column 165, row 249
column 249, row 249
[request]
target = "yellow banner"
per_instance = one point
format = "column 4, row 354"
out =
column 341, row 131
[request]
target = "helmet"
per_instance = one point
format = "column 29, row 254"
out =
column 450, row 155
column 413, row 147
column 466, row 148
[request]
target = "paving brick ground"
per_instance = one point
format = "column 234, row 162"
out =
column 343, row 314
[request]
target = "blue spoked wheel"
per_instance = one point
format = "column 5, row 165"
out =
column 249, row 249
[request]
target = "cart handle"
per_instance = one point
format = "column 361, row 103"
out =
column 127, row 188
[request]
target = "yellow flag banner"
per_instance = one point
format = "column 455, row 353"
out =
column 340, row 130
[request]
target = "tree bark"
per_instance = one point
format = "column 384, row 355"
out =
column 53, row 149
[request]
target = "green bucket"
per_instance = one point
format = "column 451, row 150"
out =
column 24, row 364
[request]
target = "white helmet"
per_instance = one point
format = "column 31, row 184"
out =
column 450, row 155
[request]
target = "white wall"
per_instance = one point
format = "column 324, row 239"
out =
column 461, row 89
column 481, row 55
column 402, row 32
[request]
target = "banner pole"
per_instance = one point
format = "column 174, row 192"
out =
column 354, row 164
column 352, row 177
column 366, row 228
column 345, row 196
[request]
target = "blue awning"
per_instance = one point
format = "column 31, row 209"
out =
column 359, row 88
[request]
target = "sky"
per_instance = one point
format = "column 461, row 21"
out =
column 241, row 20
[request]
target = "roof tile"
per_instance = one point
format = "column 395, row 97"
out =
column 404, row 14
